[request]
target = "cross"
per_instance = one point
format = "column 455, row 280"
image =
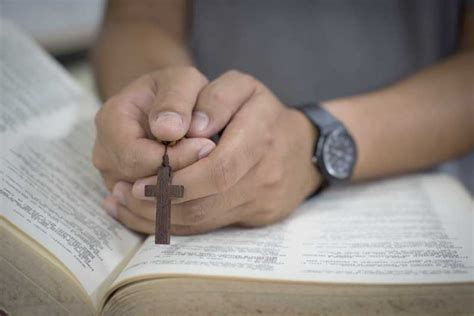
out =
column 163, row 191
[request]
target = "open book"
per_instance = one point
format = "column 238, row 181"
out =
column 403, row 245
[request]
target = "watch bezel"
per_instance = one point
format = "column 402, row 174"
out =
column 320, row 159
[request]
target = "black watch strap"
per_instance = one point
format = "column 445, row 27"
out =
column 321, row 118
column 323, row 121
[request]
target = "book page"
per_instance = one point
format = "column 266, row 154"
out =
column 48, row 186
column 415, row 229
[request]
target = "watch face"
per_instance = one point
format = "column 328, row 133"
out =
column 339, row 154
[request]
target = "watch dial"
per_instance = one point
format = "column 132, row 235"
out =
column 339, row 154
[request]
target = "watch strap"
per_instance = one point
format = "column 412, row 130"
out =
column 323, row 121
column 321, row 118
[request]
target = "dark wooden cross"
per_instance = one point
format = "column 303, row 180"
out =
column 163, row 191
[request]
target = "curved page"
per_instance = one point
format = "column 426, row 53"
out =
column 48, row 186
column 410, row 230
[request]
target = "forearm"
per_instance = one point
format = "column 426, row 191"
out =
column 414, row 124
column 138, row 37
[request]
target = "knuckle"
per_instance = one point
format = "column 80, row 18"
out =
column 274, row 177
column 268, row 138
column 111, row 106
column 148, row 77
column 234, row 73
column 250, row 78
column 152, row 81
column 216, row 96
column 128, row 163
column 113, row 103
column 224, row 173
column 193, row 72
column 241, row 74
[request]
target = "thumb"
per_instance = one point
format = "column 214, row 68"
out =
column 177, row 90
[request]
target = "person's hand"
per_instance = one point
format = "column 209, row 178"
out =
column 258, row 173
column 155, row 107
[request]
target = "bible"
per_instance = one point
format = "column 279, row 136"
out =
column 395, row 246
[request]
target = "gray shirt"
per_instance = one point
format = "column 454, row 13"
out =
column 307, row 50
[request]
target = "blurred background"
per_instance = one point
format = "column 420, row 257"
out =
column 65, row 28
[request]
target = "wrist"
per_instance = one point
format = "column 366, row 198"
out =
column 139, row 48
column 306, row 135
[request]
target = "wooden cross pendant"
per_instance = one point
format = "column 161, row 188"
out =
column 163, row 191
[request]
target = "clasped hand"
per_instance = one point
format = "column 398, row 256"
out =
column 257, row 174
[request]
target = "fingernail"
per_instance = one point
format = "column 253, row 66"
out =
column 110, row 205
column 118, row 193
column 200, row 121
column 205, row 151
column 172, row 119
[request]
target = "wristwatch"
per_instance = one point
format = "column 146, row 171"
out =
column 335, row 152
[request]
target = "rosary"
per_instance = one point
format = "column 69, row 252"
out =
column 163, row 192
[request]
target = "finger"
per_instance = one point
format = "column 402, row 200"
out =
column 125, row 116
column 177, row 90
column 126, row 217
column 123, row 146
column 142, row 157
column 140, row 215
column 122, row 192
column 119, row 128
column 188, row 213
column 219, row 101
column 198, row 211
